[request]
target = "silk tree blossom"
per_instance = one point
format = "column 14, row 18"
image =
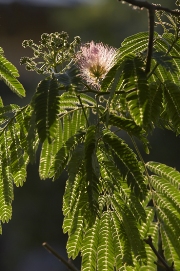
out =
column 94, row 61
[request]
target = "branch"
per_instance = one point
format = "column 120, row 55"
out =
column 64, row 261
column 150, row 243
column 151, row 16
column 149, row 6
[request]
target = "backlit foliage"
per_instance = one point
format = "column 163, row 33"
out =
column 113, row 201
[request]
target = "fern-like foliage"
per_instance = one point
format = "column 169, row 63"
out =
column 12, row 166
column 113, row 201
column 165, row 184
column 8, row 74
column 46, row 104
column 71, row 121
column 121, row 150
column 14, row 154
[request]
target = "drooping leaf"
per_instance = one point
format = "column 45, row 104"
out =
column 164, row 43
column 8, row 74
column 130, row 226
column 92, row 171
column 18, row 165
column 167, row 198
column 46, row 106
column 135, row 44
column 122, row 248
column 129, row 126
column 164, row 60
column 105, row 253
column 32, row 139
column 75, row 235
column 63, row 155
column 170, row 248
column 74, row 182
column 136, row 85
column 151, row 257
column 6, row 180
column 172, row 103
column 128, row 158
column 90, row 247
column 165, row 171
column 156, row 94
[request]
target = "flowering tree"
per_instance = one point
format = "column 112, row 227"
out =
column 120, row 213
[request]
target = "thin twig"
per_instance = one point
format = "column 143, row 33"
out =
column 150, row 243
column 151, row 17
column 149, row 6
column 79, row 98
column 102, row 92
column 59, row 257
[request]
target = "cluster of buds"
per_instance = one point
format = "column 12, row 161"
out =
column 52, row 54
column 55, row 54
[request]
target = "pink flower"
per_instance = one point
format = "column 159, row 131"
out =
column 94, row 61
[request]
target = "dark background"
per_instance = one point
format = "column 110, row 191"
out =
column 37, row 215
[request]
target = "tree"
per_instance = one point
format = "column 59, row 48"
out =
column 120, row 212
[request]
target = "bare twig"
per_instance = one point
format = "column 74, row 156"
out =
column 151, row 37
column 150, row 243
column 59, row 257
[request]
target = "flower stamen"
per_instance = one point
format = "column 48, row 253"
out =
column 94, row 61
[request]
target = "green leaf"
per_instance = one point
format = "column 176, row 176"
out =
column 8, row 74
column 129, row 126
column 164, row 43
column 171, row 174
column 105, row 254
column 92, row 172
column 164, row 60
column 18, row 165
column 135, row 180
column 122, row 248
column 114, row 184
column 110, row 76
column 172, row 103
column 135, row 44
column 32, row 139
column 167, row 224
column 45, row 159
column 156, row 94
column 62, row 157
column 46, row 106
column 153, row 230
column 130, row 226
column 167, row 189
column 49, row 151
column 75, row 236
column 6, row 180
column 136, row 86
column 167, row 198
column 74, row 182
column 171, row 254
column 90, row 247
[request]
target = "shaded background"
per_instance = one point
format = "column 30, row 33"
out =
column 37, row 215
